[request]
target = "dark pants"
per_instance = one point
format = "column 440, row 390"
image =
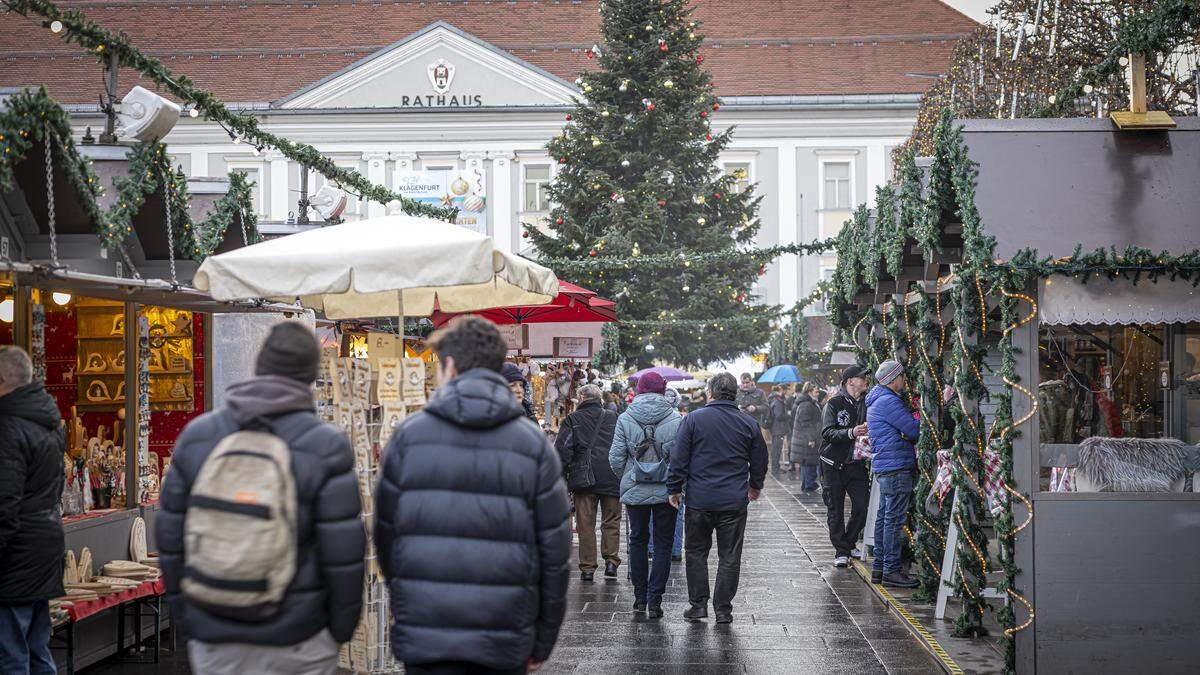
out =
column 650, row 579
column 808, row 477
column 677, row 545
column 730, row 527
column 25, row 639
column 835, row 485
column 895, row 488
column 777, row 451
column 459, row 668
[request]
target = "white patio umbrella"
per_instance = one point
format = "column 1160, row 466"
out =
column 390, row 266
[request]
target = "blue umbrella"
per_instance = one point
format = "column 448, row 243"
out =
column 780, row 375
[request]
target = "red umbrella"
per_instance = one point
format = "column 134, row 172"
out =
column 573, row 304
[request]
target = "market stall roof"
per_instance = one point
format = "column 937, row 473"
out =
column 390, row 266
column 1053, row 184
column 142, row 291
column 573, row 304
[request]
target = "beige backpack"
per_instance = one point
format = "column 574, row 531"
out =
column 240, row 529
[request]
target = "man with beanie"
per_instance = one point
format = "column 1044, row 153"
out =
column 31, row 532
column 321, row 606
column 641, row 452
column 719, row 465
column 893, row 431
column 843, row 421
column 471, row 520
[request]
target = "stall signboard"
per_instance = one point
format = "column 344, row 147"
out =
column 573, row 347
column 516, row 336
column 463, row 189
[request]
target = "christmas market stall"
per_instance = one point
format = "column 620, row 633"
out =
column 98, row 243
column 1039, row 280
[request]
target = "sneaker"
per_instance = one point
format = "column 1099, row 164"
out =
column 876, row 576
column 587, row 576
column 654, row 611
column 639, row 605
column 857, row 554
column 695, row 613
column 610, row 570
column 899, row 580
column 724, row 617
column 841, row 561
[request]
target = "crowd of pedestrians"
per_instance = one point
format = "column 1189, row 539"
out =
column 473, row 524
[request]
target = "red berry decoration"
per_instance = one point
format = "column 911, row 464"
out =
column 525, row 234
column 592, row 253
column 704, row 113
column 716, row 195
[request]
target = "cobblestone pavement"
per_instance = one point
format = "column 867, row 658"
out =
column 794, row 612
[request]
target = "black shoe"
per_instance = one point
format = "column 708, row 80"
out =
column 587, row 576
column 677, row 558
column 695, row 613
column 876, row 576
column 610, row 570
column 724, row 617
column 654, row 612
column 899, row 580
column 639, row 605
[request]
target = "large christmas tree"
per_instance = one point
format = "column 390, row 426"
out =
column 638, row 178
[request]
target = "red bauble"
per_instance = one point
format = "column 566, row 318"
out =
column 662, row 45
column 568, row 118
column 662, row 202
column 716, row 195
column 613, row 196
column 708, row 137
column 716, row 106
column 649, row 106
column 699, row 58
column 558, row 221
column 592, row 253
column 704, row 113
column 525, row 234
column 562, row 160
column 741, row 298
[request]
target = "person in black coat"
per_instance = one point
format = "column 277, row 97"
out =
column 583, row 443
column 31, row 533
column 471, row 521
column 843, row 422
column 322, row 605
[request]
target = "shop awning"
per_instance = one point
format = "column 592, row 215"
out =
column 1118, row 302
column 142, row 291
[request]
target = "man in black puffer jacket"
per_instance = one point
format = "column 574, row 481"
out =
column 323, row 602
column 471, row 521
column 31, row 533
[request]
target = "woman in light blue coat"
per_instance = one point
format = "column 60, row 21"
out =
column 642, row 467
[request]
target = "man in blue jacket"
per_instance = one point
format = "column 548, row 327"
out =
column 720, row 461
column 893, row 430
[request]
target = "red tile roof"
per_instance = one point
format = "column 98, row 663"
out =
column 263, row 50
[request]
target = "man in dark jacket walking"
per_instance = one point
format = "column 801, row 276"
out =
column 471, row 520
column 844, row 420
column 751, row 400
column 31, row 533
column 720, row 462
column 322, row 604
column 583, row 443
column 893, row 431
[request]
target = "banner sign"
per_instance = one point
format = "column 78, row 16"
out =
column 463, row 189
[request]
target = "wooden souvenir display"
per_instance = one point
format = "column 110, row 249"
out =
column 388, row 386
column 100, row 336
column 414, row 382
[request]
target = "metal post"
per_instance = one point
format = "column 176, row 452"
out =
column 302, row 206
column 109, row 137
column 131, row 404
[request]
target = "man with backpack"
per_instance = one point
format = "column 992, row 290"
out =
column 260, row 538
column 471, row 520
column 843, row 422
column 720, row 463
column 582, row 444
column 641, row 454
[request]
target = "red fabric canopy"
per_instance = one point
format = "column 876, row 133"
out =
column 573, row 304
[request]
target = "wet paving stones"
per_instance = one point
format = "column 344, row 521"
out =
column 794, row 612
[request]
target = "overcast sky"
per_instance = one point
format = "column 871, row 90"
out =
column 973, row 8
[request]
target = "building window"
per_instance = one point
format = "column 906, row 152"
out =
column 741, row 174
column 837, row 185
column 536, row 192
column 819, row 306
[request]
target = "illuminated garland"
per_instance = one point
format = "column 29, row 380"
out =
column 675, row 261
column 76, row 27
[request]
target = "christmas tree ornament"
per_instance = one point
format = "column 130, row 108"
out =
column 621, row 200
column 662, row 202
column 613, row 196
column 704, row 114
column 625, row 163
column 562, row 160
column 587, row 88
column 596, row 142
column 595, row 51
column 699, row 199
column 699, row 58
column 668, row 177
column 525, row 234
column 668, row 84
column 569, row 118
column 716, row 195
column 604, row 113
column 686, row 288
column 624, row 86
column 662, row 45
column 648, row 103
column 558, row 221
column 592, row 253
column 649, row 28
column 578, row 81
column 1087, row 88
column 708, row 137
column 716, row 106
column 701, row 220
